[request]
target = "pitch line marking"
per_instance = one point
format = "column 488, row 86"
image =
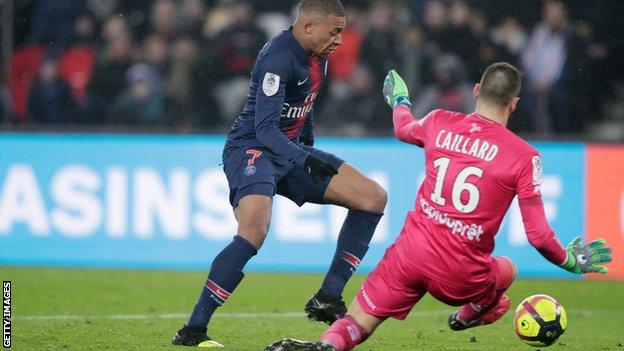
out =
column 241, row 315
column 185, row 315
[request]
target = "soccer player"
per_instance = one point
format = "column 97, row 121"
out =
column 474, row 168
column 269, row 151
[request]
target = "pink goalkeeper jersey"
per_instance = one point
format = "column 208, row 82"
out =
column 474, row 168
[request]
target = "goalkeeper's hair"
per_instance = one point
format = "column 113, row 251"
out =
column 322, row 7
column 501, row 82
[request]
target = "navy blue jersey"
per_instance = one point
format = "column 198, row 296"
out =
column 285, row 82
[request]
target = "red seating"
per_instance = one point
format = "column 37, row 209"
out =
column 24, row 68
column 76, row 67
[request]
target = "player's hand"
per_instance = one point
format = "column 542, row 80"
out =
column 395, row 91
column 317, row 168
column 587, row 258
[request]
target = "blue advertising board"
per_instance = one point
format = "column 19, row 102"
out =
column 162, row 202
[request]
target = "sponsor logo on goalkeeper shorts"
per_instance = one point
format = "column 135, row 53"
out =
column 367, row 300
column 470, row 231
column 219, row 294
column 6, row 314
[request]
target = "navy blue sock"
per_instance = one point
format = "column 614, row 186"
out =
column 225, row 274
column 355, row 235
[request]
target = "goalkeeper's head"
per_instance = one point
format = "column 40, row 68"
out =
column 319, row 25
column 499, row 90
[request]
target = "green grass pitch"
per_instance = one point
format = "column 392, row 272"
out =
column 74, row 309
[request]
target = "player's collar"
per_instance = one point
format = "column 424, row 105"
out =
column 483, row 118
column 300, row 52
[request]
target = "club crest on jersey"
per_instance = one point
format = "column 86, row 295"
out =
column 270, row 84
column 475, row 128
column 250, row 170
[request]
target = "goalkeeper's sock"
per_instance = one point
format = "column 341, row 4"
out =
column 468, row 313
column 344, row 334
column 355, row 235
column 225, row 274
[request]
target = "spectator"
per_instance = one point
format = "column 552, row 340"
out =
column 510, row 34
column 450, row 90
column 380, row 50
column 380, row 45
column 546, row 62
column 155, row 52
column 50, row 98
column 105, row 85
column 413, row 57
column 141, row 103
column 234, row 51
column 355, row 113
column 435, row 26
column 461, row 40
column 193, row 14
column 163, row 19
column 84, row 30
column 179, row 82
column 53, row 22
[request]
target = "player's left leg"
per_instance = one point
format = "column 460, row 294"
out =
column 365, row 200
column 493, row 305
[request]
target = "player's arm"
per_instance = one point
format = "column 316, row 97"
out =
column 577, row 257
column 406, row 127
column 307, row 131
column 274, row 73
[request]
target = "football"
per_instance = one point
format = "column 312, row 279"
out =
column 540, row 320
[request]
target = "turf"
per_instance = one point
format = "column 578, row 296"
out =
column 72, row 309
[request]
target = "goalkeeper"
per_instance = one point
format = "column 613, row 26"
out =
column 474, row 168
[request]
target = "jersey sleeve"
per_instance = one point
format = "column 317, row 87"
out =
column 273, row 74
column 407, row 128
column 540, row 234
column 307, row 131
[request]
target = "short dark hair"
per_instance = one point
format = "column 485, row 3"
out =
column 323, row 7
column 501, row 82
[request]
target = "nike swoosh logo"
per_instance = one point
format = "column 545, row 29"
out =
column 303, row 81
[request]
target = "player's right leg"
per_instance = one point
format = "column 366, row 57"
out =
column 250, row 177
column 253, row 214
column 490, row 307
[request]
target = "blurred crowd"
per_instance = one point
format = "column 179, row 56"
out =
column 184, row 65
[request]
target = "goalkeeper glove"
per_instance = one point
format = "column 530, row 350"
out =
column 395, row 91
column 587, row 258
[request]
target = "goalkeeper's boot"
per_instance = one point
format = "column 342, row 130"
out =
column 491, row 316
column 194, row 336
column 325, row 309
column 297, row 345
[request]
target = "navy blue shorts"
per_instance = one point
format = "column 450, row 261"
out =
column 257, row 171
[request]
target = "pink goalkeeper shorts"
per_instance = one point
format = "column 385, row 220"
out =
column 387, row 292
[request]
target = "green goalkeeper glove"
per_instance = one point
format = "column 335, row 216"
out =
column 587, row 258
column 395, row 91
